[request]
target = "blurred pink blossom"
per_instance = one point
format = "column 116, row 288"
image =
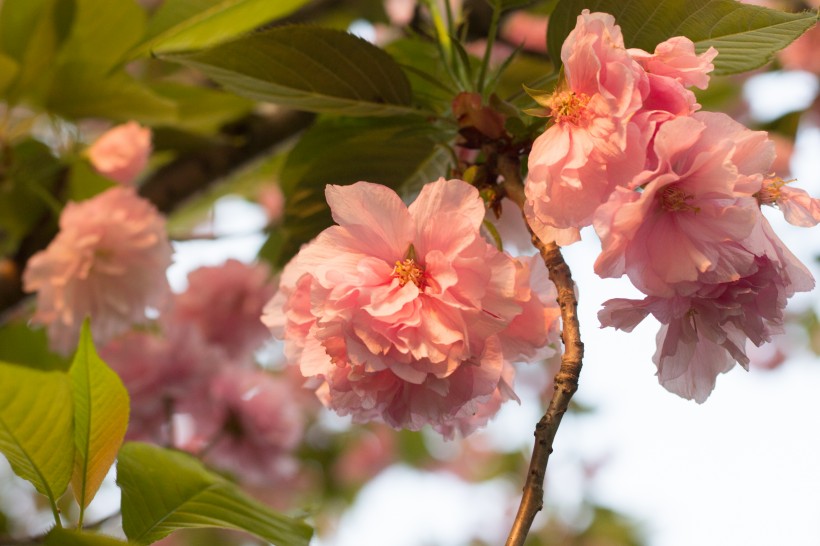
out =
column 259, row 425
column 406, row 315
column 526, row 29
column 273, row 202
column 122, row 152
column 163, row 375
column 372, row 450
column 225, row 303
column 107, row 262
column 802, row 54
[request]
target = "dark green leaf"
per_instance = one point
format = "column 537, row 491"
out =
column 202, row 110
column 100, row 418
column 308, row 68
column 195, row 24
column 23, row 345
column 745, row 36
column 400, row 154
column 84, row 92
column 164, row 490
column 8, row 71
column 69, row 537
column 36, row 421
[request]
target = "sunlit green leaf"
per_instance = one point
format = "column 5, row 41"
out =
column 36, row 421
column 401, row 154
column 164, row 490
column 102, row 32
column 745, row 36
column 100, row 418
column 308, row 68
column 84, row 182
column 71, row 537
column 195, row 24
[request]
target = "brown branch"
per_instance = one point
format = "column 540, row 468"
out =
column 566, row 380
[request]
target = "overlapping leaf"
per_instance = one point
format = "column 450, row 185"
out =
column 100, row 418
column 195, row 24
column 69, row 537
column 745, row 36
column 307, row 68
column 36, row 422
column 400, row 154
column 164, row 490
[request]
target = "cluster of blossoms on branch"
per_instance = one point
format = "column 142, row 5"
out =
column 674, row 195
column 407, row 314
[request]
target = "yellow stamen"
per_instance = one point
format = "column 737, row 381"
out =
column 769, row 194
column 674, row 199
column 568, row 106
column 408, row 271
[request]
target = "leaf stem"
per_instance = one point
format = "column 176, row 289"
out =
column 566, row 380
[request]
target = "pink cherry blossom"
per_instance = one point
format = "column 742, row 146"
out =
column 591, row 147
column 107, row 262
column 164, row 374
column 798, row 207
column 406, row 314
column 273, row 201
column 259, row 425
column 676, row 58
column 706, row 333
column 225, row 303
column 698, row 200
column 122, row 152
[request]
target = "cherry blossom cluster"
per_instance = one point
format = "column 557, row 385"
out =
column 194, row 383
column 407, row 315
column 674, row 195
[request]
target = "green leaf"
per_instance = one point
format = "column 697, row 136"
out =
column 82, row 91
column 402, row 153
column 195, row 24
column 25, row 346
column 70, row 537
column 164, row 490
column 308, row 68
column 84, row 182
column 8, row 71
column 102, row 33
column 36, row 419
column 201, row 110
column 30, row 33
column 745, row 36
column 100, row 418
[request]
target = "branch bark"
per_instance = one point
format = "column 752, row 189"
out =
column 566, row 380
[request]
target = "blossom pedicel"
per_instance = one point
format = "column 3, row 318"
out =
column 408, row 315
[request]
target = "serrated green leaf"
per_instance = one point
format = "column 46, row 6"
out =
column 102, row 32
column 84, row 92
column 195, row 24
column 164, row 490
column 400, row 154
column 70, row 537
column 307, row 68
column 745, row 36
column 100, row 418
column 36, row 422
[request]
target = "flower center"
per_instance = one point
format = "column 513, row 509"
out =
column 674, row 199
column 770, row 192
column 408, row 271
column 568, row 106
